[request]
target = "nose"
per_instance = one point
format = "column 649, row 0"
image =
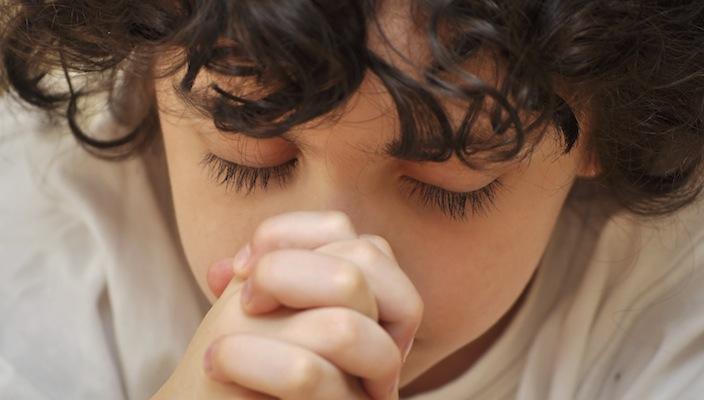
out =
column 370, row 212
column 356, row 206
column 357, row 193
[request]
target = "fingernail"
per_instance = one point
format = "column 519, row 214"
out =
column 208, row 360
column 240, row 262
column 247, row 292
column 408, row 349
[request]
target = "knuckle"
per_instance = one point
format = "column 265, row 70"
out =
column 337, row 221
column 343, row 329
column 378, row 241
column 266, row 230
column 303, row 376
column 349, row 282
column 221, row 349
column 365, row 251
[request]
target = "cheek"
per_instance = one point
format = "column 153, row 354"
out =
column 211, row 225
column 468, row 284
column 470, row 278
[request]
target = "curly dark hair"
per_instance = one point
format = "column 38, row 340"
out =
column 637, row 66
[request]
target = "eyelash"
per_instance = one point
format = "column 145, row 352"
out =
column 240, row 177
column 455, row 205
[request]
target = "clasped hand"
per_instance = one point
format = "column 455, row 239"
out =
column 312, row 311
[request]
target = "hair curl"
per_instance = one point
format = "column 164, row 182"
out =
column 636, row 65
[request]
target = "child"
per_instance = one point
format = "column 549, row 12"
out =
column 376, row 200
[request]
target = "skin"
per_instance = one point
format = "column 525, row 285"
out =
column 469, row 277
column 326, row 333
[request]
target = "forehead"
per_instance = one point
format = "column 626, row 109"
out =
column 398, row 35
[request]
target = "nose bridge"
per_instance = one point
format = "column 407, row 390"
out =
column 345, row 168
column 351, row 188
column 340, row 192
column 364, row 216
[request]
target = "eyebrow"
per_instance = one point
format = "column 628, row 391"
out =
column 395, row 149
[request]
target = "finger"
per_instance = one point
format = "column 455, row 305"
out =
column 219, row 276
column 299, row 229
column 278, row 369
column 302, row 279
column 352, row 342
column 228, row 390
column 399, row 304
column 381, row 243
column 234, row 286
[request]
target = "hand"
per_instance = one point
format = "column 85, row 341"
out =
column 277, row 357
column 358, row 273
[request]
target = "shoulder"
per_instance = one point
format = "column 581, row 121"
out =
column 85, row 244
column 654, row 309
column 633, row 326
column 51, row 279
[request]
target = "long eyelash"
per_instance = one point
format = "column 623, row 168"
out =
column 240, row 177
column 456, row 205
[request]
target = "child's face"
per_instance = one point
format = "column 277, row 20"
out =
column 468, row 273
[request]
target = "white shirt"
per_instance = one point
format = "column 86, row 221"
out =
column 96, row 298
column 616, row 311
column 97, row 301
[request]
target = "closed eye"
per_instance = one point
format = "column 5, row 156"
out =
column 455, row 205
